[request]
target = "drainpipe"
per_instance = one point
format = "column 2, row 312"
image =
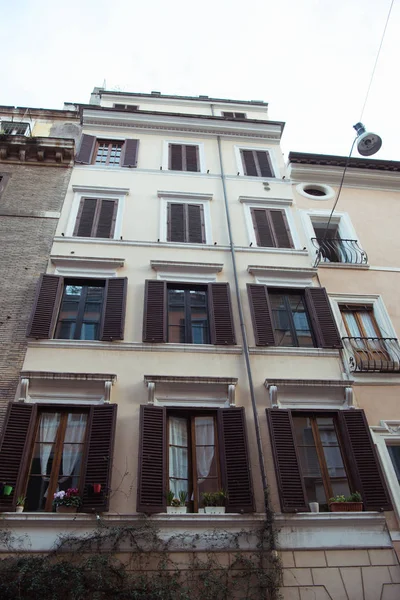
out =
column 243, row 329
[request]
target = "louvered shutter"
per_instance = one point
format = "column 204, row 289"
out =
column 85, row 218
column 228, row 115
column 113, row 316
column 287, row 465
column 130, row 155
column 175, row 157
column 192, row 158
column 195, row 219
column 281, row 229
column 222, row 329
column 320, row 311
column 86, row 148
column 249, row 164
column 261, row 315
column 45, row 309
column 361, row 453
column 264, row 164
column 262, row 228
column 176, row 222
column 155, row 312
column 99, row 457
column 235, row 460
column 152, row 469
column 107, row 217
column 19, row 426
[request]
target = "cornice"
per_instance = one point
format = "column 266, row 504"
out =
column 39, row 150
column 194, row 380
column 188, row 267
column 72, row 376
column 362, row 178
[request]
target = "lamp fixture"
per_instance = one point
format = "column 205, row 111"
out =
column 367, row 143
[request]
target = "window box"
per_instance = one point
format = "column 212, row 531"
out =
column 214, row 510
column 346, row 506
column 176, row 510
column 66, row 509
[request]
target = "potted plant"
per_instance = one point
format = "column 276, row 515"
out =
column 20, row 504
column 314, row 507
column 67, row 502
column 214, row 502
column 176, row 505
column 352, row 503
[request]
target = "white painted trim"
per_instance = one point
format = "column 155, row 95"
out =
column 294, row 351
column 248, row 204
column 263, row 200
column 93, row 189
column 82, row 266
column 329, row 192
column 120, row 346
column 186, row 142
column 101, row 193
column 189, row 196
column 186, row 199
column 388, row 433
column 186, row 271
column 239, row 163
column 283, row 276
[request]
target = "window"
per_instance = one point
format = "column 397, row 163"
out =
column 271, row 228
column 13, row 128
column 394, row 453
column 185, row 223
column 234, row 115
column 193, row 462
column 56, row 463
column 81, row 309
column 316, row 191
column 188, row 321
column 320, row 454
column 96, row 218
column 256, row 163
column 333, row 241
column 328, row 239
column 46, row 448
column 183, row 157
column 193, row 450
column 107, row 153
column 291, row 322
column 129, row 107
column 188, row 313
column 292, row 317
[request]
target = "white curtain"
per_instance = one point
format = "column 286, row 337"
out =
column 205, row 449
column 74, row 437
column 47, row 431
column 178, row 455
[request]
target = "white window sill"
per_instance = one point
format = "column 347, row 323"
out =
column 294, row 351
column 324, row 265
column 121, row 346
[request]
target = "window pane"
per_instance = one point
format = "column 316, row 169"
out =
column 70, row 467
column 92, row 313
column 280, row 319
column 309, row 463
column 206, row 463
column 176, row 316
column 69, row 312
column 333, row 456
column 300, row 319
column 394, row 453
column 199, row 317
column 178, row 455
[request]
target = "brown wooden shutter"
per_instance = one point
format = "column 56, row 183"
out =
column 99, row 457
column 113, row 316
column 262, row 228
column 18, row 429
column 228, row 115
column 192, row 158
column 85, row 217
column 361, row 453
column 151, row 494
column 320, row 311
column 86, row 148
column 235, row 460
column 155, row 312
column 287, row 465
column 281, row 228
column 45, row 309
column 221, row 318
column 264, row 164
column 129, row 158
column 195, row 219
column 261, row 315
column 249, row 164
column 176, row 157
column 107, row 217
column 176, row 224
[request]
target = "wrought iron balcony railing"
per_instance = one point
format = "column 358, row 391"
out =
column 373, row 354
column 336, row 250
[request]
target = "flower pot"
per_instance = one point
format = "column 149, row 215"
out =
column 214, row 510
column 314, row 507
column 19, row 509
column 66, row 509
column 7, row 489
column 346, row 506
column 96, row 488
column 176, row 510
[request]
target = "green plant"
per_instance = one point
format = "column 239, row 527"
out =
column 21, row 500
column 170, row 497
column 214, row 498
column 182, row 497
column 354, row 497
column 69, row 498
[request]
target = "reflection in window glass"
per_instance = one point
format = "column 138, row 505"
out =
column 80, row 313
column 394, row 453
column 290, row 319
column 188, row 316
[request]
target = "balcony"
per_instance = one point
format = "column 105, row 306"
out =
column 337, row 250
column 373, row 354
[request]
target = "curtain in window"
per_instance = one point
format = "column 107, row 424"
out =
column 47, row 430
column 74, row 438
column 204, row 446
column 178, row 455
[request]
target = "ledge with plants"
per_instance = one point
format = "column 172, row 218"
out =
column 67, row 501
column 214, row 502
column 352, row 503
column 176, row 505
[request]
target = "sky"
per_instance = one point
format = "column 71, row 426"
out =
column 311, row 60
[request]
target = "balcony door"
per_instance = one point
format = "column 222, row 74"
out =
column 370, row 351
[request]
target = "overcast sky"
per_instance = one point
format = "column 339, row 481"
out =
column 311, row 60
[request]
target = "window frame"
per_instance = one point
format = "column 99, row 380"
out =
column 85, row 283
column 271, row 158
column 286, row 292
column 96, row 218
column 200, row 154
column 227, row 114
column 83, row 193
column 110, row 142
column 27, row 131
column 188, row 287
column 186, row 226
column 200, row 199
column 387, row 433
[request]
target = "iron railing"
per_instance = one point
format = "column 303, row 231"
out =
column 373, row 354
column 336, row 250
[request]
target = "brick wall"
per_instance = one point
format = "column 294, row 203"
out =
column 25, row 242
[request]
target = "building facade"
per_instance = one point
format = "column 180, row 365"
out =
column 189, row 334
